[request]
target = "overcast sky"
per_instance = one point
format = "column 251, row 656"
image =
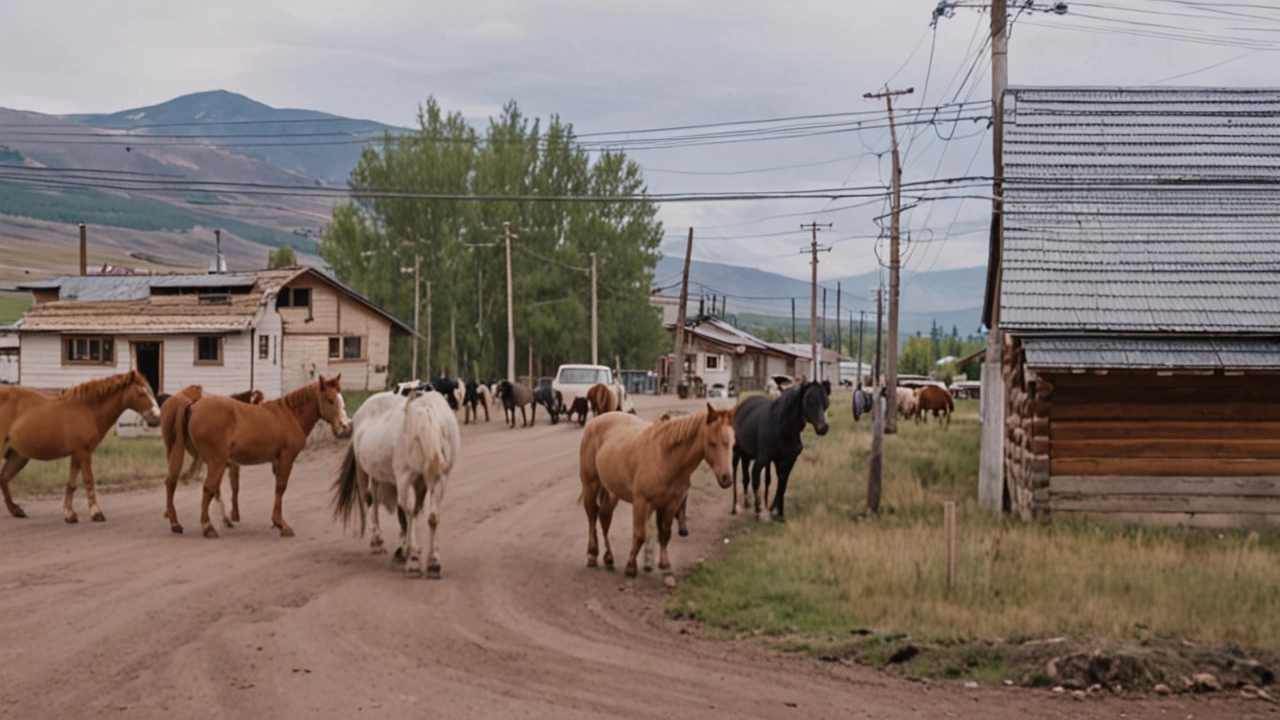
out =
column 622, row 64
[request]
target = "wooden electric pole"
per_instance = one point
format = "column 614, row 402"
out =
column 678, row 370
column 862, row 321
column 891, row 360
column 839, row 338
column 417, row 311
column 793, row 320
column 595, row 319
column 878, row 411
column 815, row 360
column 879, row 312
column 428, row 330
column 511, row 323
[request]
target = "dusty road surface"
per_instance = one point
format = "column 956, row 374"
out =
column 125, row 619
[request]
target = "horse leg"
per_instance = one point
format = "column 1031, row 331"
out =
column 407, row 499
column 435, row 501
column 171, row 485
column 234, row 477
column 372, row 516
column 639, row 518
column 591, row 503
column 212, row 482
column 524, row 420
column 733, row 468
column 680, row 516
column 533, row 410
column 68, row 511
column 779, row 499
column 650, row 532
column 283, row 467
column 13, row 464
column 756, row 468
column 607, row 504
column 665, row 516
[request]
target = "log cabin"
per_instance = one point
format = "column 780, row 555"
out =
column 1137, row 297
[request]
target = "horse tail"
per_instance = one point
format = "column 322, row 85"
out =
column 346, row 491
column 184, row 426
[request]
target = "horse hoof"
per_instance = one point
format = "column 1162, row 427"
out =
column 648, row 568
column 235, row 516
column 433, row 572
column 669, row 581
column 72, row 519
column 18, row 512
column 630, row 571
column 286, row 531
column 98, row 517
column 780, row 519
column 398, row 557
column 684, row 532
column 378, row 550
column 175, row 529
column 412, row 571
column 210, row 532
column 591, row 562
column 226, row 522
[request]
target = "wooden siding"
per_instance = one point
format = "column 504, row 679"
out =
column 306, row 343
column 41, row 365
column 268, row 373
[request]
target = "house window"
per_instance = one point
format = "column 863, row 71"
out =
column 209, row 350
column 264, row 347
column 89, row 350
column 346, row 348
column 294, row 297
column 713, row 362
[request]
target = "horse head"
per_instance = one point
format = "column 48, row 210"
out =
column 333, row 408
column 140, row 399
column 717, row 450
column 813, row 406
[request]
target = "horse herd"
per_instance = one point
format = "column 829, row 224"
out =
column 913, row 403
column 404, row 444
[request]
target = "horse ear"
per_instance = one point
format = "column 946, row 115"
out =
column 336, row 381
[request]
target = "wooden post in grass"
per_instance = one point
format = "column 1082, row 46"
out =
column 949, row 520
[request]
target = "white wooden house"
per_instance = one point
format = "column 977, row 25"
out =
column 273, row 330
column 720, row 353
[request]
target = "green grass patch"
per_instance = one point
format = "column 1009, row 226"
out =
column 833, row 570
column 12, row 307
column 118, row 464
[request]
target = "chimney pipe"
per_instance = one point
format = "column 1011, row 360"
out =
column 84, row 251
column 219, row 265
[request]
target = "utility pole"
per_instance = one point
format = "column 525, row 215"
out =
column 891, row 380
column 862, row 321
column 417, row 310
column 839, row 343
column 879, row 314
column 815, row 360
column 824, row 317
column 511, row 322
column 84, row 250
column 879, row 408
column 678, row 370
column 453, row 341
column 429, row 330
column 595, row 320
column 793, row 320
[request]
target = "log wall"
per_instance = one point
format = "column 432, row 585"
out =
column 1027, row 412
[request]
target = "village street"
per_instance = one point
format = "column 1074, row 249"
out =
column 125, row 619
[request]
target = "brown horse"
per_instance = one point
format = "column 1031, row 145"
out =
column 172, row 414
column 73, row 423
column 225, row 431
column 936, row 399
column 648, row 465
column 602, row 399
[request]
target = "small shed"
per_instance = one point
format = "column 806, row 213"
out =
column 1139, row 303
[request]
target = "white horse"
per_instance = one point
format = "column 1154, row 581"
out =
column 624, row 400
column 402, row 451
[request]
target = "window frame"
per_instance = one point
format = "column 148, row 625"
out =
column 706, row 362
column 264, row 347
column 222, row 355
column 105, row 342
column 338, row 348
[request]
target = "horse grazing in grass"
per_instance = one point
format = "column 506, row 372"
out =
column 402, row 451
column 173, row 413
column 768, row 431
column 72, row 423
column 602, row 399
column 548, row 398
column 473, row 399
column 225, row 431
column 933, row 398
column 513, row 395
column 622, row 457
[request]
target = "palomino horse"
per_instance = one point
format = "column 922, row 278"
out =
column 402, row 451
column 173, row 414
column 602, row 399
column 73, row 423
column 768, row 431
column 648, row 465
column 224, row 431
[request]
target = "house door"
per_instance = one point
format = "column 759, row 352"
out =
column 146, row 360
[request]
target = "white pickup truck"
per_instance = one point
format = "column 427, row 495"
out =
column 573, row 381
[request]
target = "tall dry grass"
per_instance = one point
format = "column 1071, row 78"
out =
column 118, row 463
column 832, row 568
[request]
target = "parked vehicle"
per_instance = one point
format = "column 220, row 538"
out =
column 573, row 381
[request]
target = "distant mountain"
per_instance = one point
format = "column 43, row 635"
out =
column 947, row 297
column 313, row 143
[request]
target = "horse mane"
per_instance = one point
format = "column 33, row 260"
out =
column 99, row 387
column 298, row 399
column 677, row 431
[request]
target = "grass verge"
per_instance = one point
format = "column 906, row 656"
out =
column 839, row 583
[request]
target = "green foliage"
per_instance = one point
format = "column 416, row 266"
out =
column 282, row 257
column 13, row 307
column 370, row 241
column 920, row 354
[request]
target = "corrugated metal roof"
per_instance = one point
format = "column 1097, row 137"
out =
column 1141, row 210
column 1135, row 353
column 99, row 288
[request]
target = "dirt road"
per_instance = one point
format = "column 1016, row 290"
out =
column 125, row 619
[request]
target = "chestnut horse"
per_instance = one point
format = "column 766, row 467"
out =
column 648, row 465
column 73, row 423
column 933, row 398
column 173, row 412
column 224, row 431
column 602, row 399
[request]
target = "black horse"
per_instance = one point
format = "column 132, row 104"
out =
column 768, row 432
column 547, row 398
column 580, row 407
column 449, row 389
